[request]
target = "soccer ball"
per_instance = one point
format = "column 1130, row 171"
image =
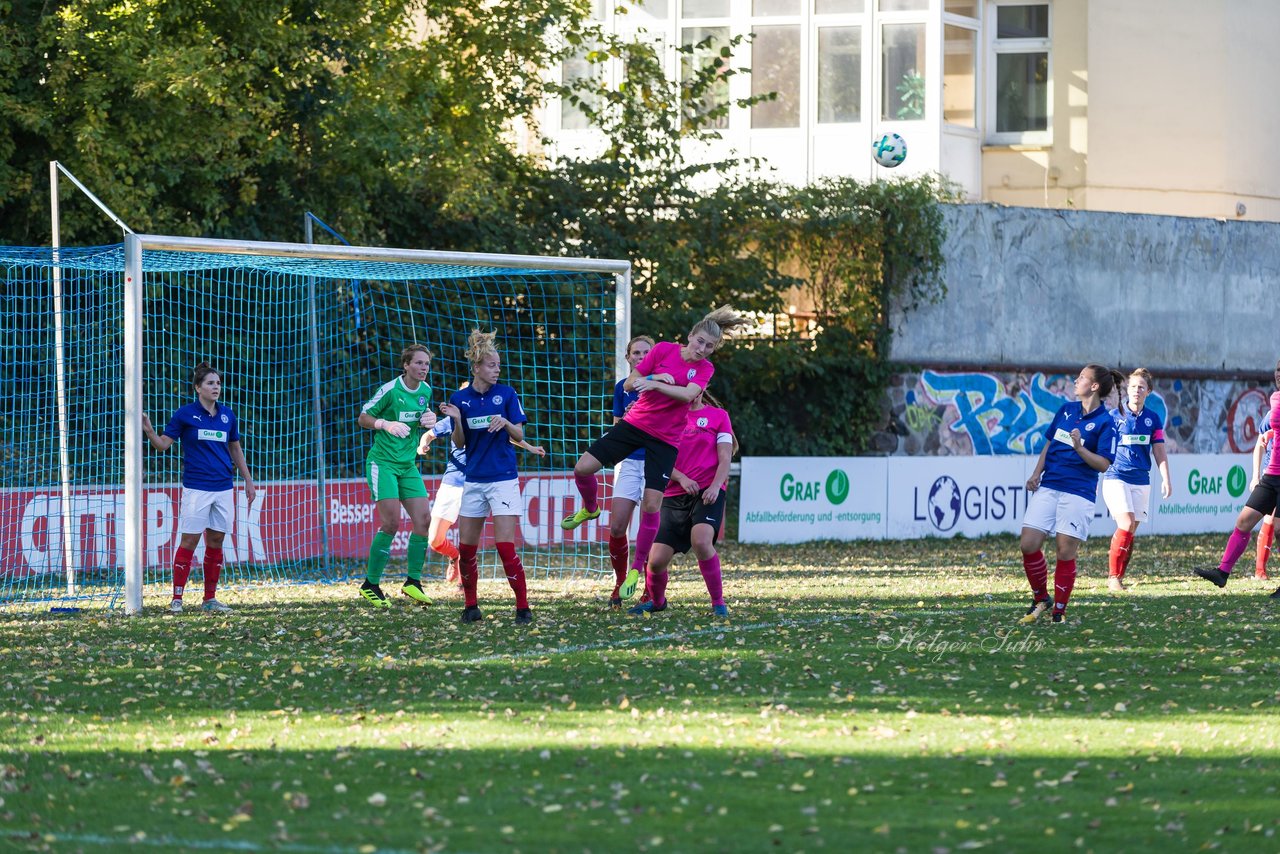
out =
column 889, row 150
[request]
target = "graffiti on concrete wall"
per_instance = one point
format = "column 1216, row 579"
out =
column 980, row 413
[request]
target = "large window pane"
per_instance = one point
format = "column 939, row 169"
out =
column 1022, row 92
column 838, row 7
column 904, row 5
column 1022, row 22
column 709, row 42
column 968, row 8
column 775, row 67
column 762, row 8
column 705, row 9
column 959, row 84
column 576, row 68
column 839, row 74
column 902, row 67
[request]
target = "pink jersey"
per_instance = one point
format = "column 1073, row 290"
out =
column 1273, row 466
column 705, row 430
column 655, row 413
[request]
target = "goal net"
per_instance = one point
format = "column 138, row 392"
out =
column 303, row 337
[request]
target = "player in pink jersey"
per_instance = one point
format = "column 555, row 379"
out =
column 1262, row 453
column 1262, row 502
column 693, row 504
column 668, row 379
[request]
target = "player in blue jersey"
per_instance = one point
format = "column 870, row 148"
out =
column 211, row 454
column 628, row 493
column 487, row 418
column 1126, row 486
column 1081, row 445
column 448, row 501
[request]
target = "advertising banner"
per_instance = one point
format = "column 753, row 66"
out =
column 788, row 500
column 283, row 524
column 796, row 499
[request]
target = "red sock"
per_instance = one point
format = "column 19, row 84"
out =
column 515, row 573
column 1037, row 571
column 181, row 570
column 1121, row 548
column 588, row 488
column 619, row 548
column 1266, row 537
column 470, row 573
column 1064, row 580
column 657, row 582
column 212, row 571
column 446, row 548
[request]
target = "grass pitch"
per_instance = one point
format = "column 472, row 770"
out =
column 869, row 696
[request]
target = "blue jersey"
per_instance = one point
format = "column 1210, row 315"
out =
column 1064, row 470
column 206, row 462
column 622, row 400
column 1266, row 452
column 455, row 467
column 1138, row 433
column 490, row 456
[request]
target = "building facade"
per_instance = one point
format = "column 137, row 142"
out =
column 1145, row 106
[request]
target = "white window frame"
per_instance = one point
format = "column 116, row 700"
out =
column 861, row 20
column 974, row 25
column 996, row 47
column 799, row 22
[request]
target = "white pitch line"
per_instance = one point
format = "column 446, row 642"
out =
column 171, row 842
column 570, row 649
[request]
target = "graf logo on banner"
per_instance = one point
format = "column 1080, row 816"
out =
column 1203, row 484
column 944, row 503
column 1236, row 481
column 837, row 486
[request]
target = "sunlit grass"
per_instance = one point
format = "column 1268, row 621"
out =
column 864, row 697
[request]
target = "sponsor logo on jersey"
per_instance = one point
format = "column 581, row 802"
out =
column 1135, row 439
column 1063, row 436
column 211, row 435
column 479, row 422
column 408, row 416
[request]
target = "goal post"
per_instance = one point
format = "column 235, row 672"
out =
column 278, row 319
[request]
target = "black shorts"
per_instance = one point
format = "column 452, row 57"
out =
column 681, row 512
column 1265, row 495
column 623, row 439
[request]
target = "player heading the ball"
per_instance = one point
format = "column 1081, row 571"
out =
column 668, row 379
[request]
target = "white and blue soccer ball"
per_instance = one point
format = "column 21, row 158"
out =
column 889, row 150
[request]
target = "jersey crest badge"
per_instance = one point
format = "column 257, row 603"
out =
column 1090, row 425
column 693, row 372
column 702, row 422
column 422, row 401
column 1146, row 422
column 497, row 400
column 224, row 418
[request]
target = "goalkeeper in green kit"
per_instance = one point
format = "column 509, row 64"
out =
column 398, row 413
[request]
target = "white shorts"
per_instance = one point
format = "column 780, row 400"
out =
column 199, row 510
column 628, row 480
column 1130, row 498
column 497, row 499
column 447, row 503
column 1057, row 512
